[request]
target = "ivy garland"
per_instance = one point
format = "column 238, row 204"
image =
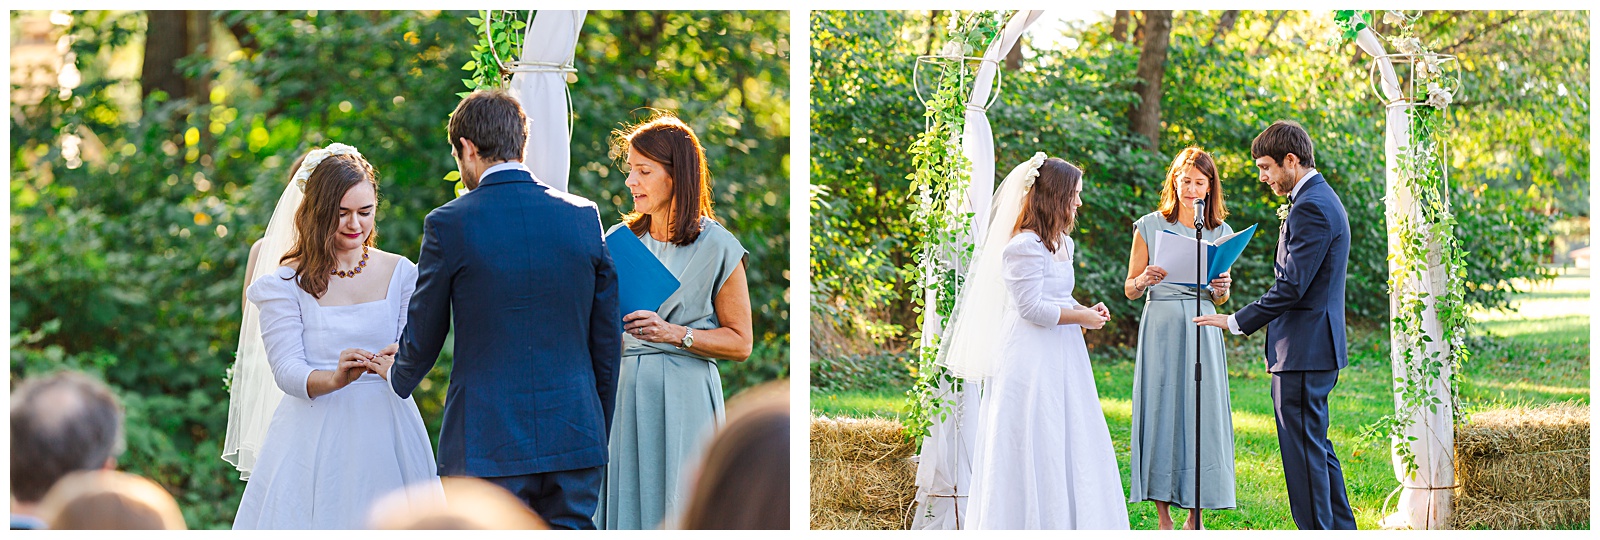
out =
column 499, row 33
column 1420, row 170
column 939, row 179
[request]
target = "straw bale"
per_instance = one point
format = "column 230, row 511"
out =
column 858, row 439
column 855, row 520
column 1524, row 430
column 1551, row 475
column 884, row 486
column 1471, row 513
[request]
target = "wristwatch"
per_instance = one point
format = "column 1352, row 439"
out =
column 688, row 338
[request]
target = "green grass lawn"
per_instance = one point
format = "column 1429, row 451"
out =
column 1535, row 355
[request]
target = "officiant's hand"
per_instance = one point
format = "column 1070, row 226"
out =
column 646, row 325
column 1221, row 285
column 1219, row 321
column 1152, row 275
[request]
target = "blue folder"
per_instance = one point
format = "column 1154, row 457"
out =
column 642, row 281
column 1220, row 257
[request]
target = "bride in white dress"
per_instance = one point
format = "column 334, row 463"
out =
column 1044, row 458
column 318, row 437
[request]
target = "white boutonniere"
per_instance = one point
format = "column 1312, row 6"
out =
column 1283, row 212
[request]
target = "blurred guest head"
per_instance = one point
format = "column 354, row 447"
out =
column 743, row 482
column 60, row 423
column 110, row 500
column 469, row 504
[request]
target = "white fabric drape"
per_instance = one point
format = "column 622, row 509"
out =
column 1418, row 507
column 944, row 467
column 540, row 85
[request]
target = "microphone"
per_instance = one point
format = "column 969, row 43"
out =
column 1199, row 212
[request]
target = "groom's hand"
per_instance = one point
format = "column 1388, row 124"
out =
column 391, row 350
column 381, row 364
column 1219, row 321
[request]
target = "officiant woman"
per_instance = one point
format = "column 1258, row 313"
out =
column 669, row 395
column 1163, row 439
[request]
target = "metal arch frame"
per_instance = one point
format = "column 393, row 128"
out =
column 916, row 86
column 519, row 66
column 1408, row 95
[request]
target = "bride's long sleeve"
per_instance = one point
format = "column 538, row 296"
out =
column 408, row 286
column 282, row 331
column 1025, row 263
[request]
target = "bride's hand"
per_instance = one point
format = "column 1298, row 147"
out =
column 1093, row 318
column 349, row 370
column 355, row 354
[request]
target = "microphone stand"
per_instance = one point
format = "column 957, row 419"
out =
column 1199, row 286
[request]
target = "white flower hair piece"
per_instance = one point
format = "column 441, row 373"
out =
column 316, row 156
column 1033, row 171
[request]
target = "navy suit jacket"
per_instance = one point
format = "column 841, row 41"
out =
column 525, row 271
column 1304, row 310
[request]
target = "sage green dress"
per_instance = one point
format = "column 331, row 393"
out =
column 669, row 401
column 1161, row 464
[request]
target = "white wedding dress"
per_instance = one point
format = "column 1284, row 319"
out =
column 325, row 461
column 1044, row 458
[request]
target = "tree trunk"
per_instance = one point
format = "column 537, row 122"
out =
column 199, row 40
column 1224, row 26
column 166, row 40
column 1145, row 117
column 1014, row 56
column 933, row 29
column 1119, row 26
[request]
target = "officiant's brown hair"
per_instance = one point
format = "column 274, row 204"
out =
column 1048, row 210
column 1216, row 209
column 667, row 140
column 493, row 121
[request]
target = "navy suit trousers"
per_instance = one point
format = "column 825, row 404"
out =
column 564, row 499
column 1311, row 470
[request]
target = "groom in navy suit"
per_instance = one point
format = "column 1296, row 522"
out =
column 1304, row 316
column 524, row 271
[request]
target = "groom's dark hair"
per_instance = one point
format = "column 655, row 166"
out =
column 492, row 120
column 1282, row 138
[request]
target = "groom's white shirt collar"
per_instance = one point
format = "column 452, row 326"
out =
column 1302, row 183
column 1233, row 323
column 504, row 166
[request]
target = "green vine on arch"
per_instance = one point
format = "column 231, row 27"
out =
column 1420, row 168
column 940, row 179
column 499, row 36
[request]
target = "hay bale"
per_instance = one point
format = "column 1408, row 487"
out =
column 1472, row 513
column 1523, row 468
column 1522, row 430
column 885, row 486
column 856, row 520
column 858, row 439
column 1545, row 476
column 861, row 474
